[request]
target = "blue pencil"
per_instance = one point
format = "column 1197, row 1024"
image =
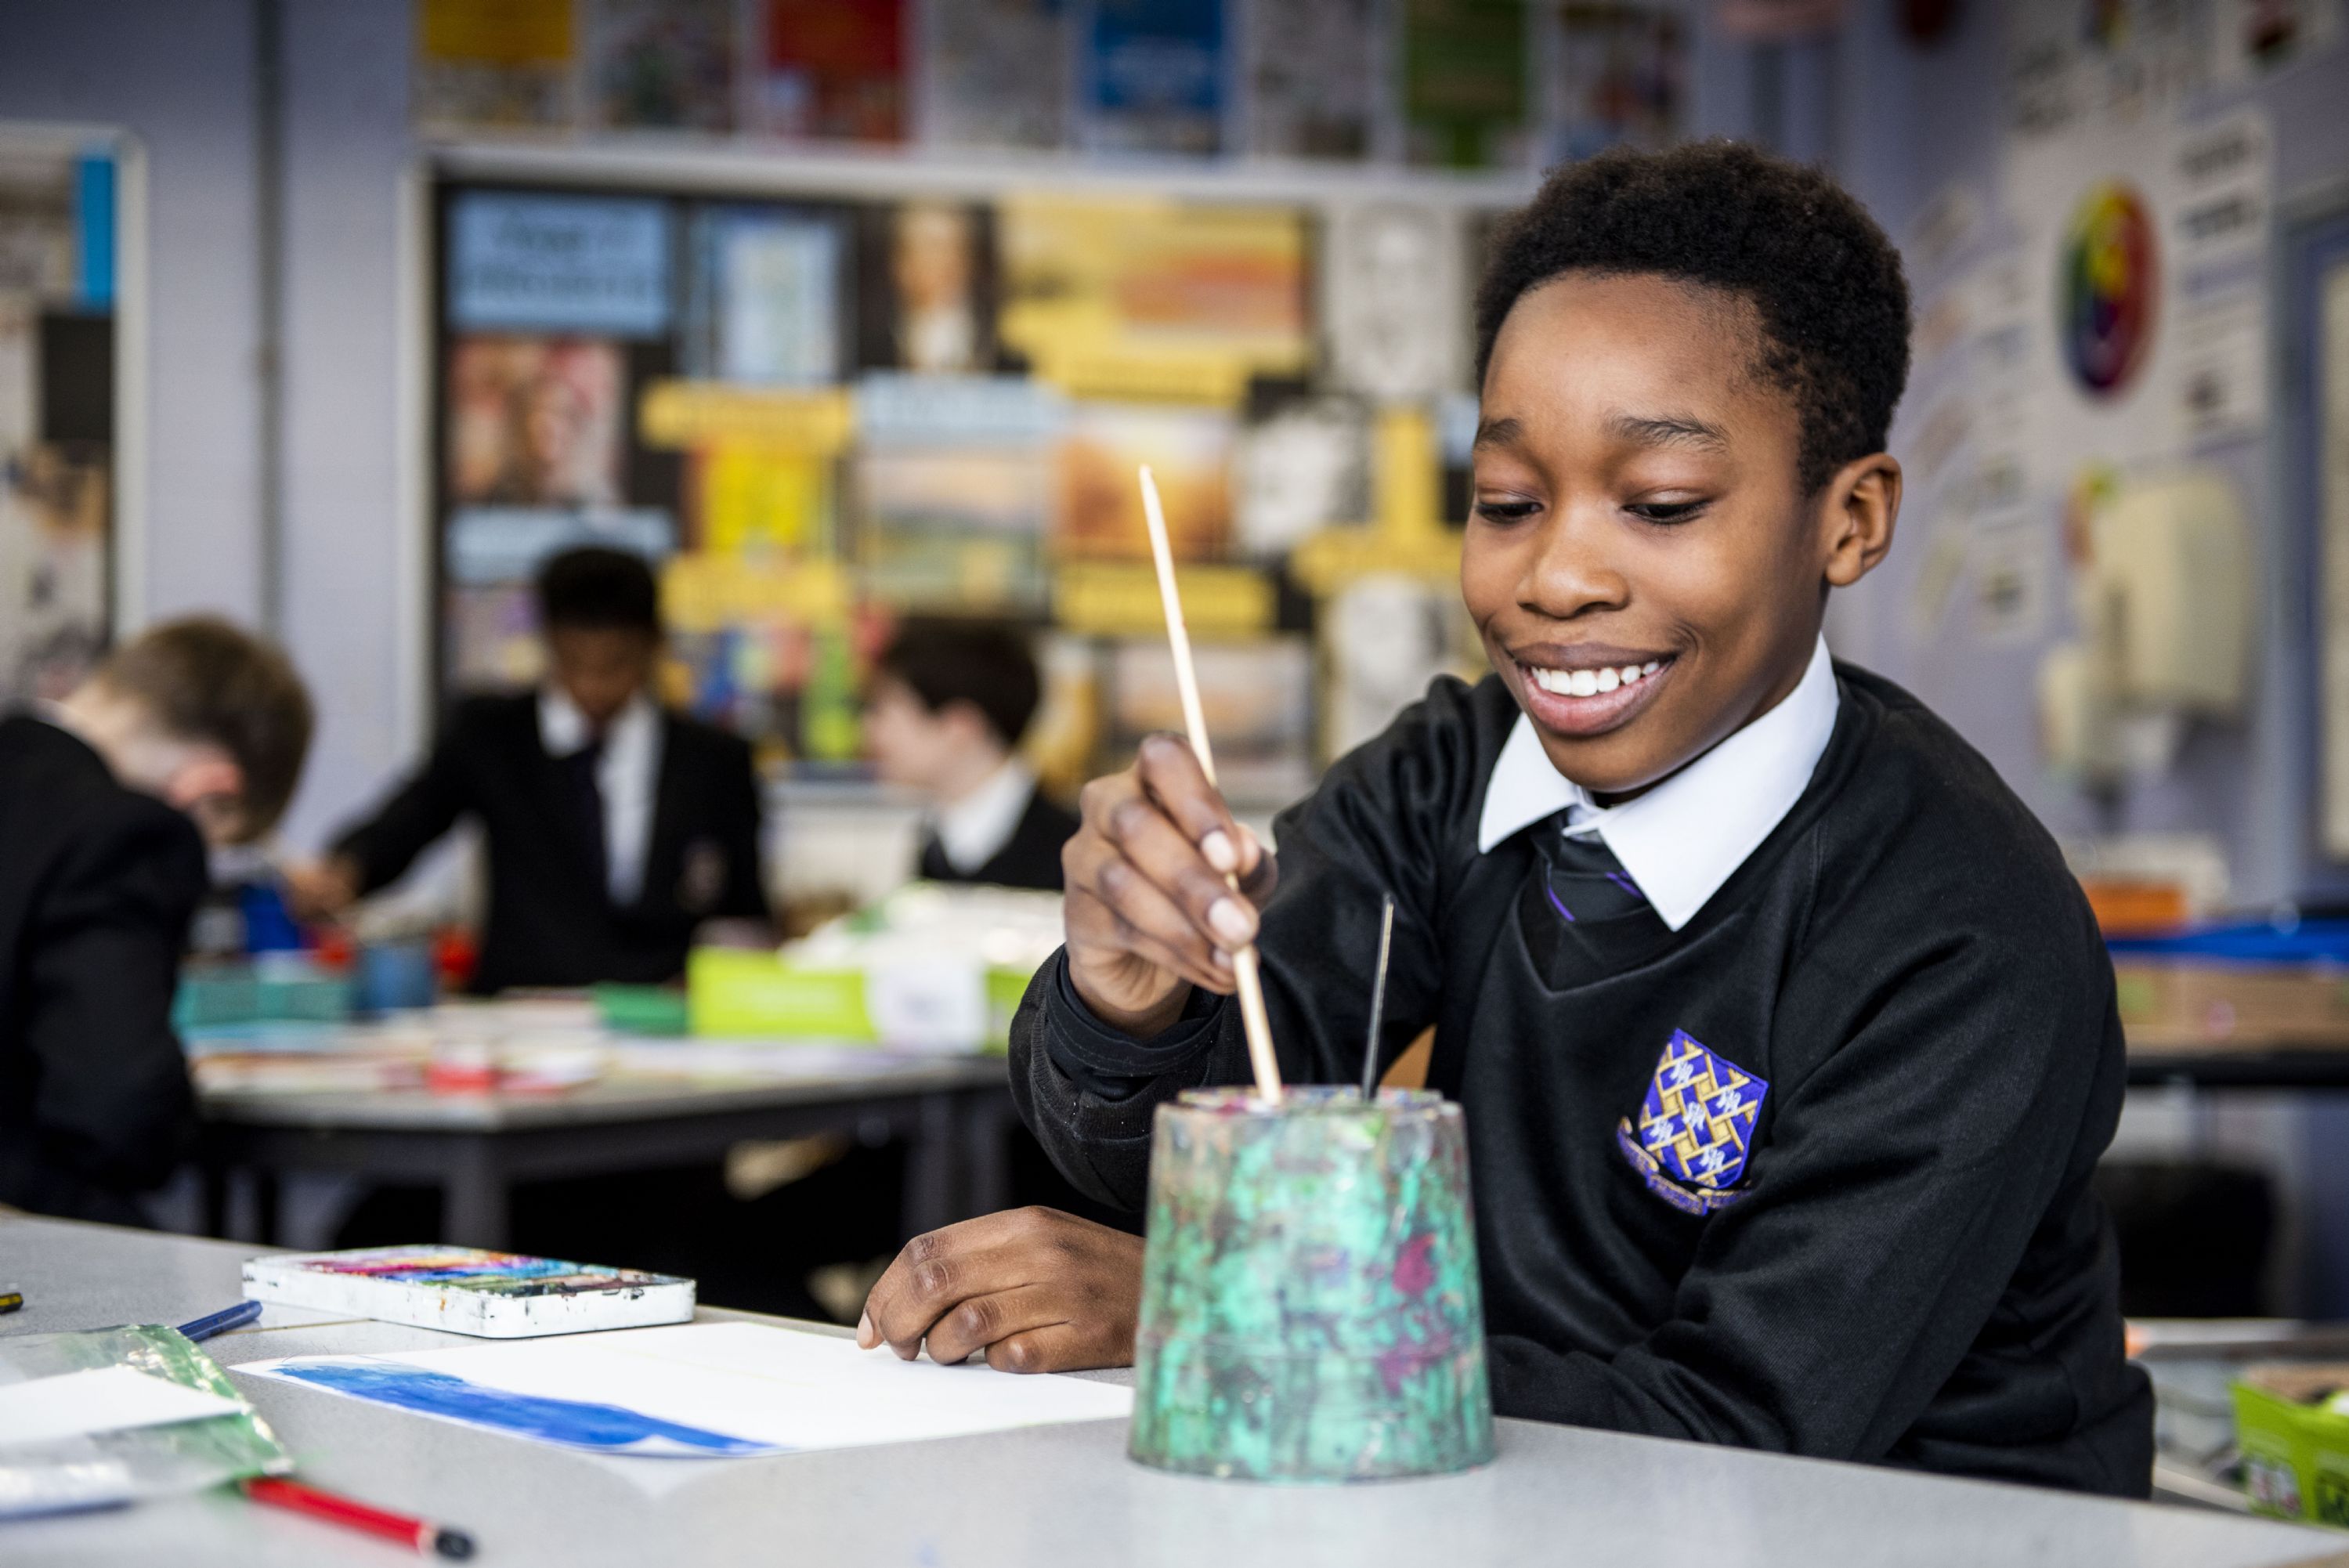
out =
column 221, row 1322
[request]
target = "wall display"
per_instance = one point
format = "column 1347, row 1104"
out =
column 820, row 415
column 514, row 64
column 1099, row 508
column 1312, row 75
column 2220, row 256
column 1302, row 464
column 2110, row 267
column 1149, row 299
column 539, row 261
column 1258, row 698
column 1394, row 299
column 534, row 421
column 925, row 292
column 1153, row 73
column 1384, row 637
column 2331, row 378
column 832, row 68
column 1621, row 77
column 491, row 637
column 1465, row 101
column 56, row 416
column 995, row 73
column 484, row 545
column 662, row 64
column 764, row 298
column 2258, row 37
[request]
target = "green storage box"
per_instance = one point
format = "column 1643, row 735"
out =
column 2295, row 1455
column 741, row 994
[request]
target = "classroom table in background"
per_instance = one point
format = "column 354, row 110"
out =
column 952, row 1113
column 1039, row 1495
column 2179, row 1060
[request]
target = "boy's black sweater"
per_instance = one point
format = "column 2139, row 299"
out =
column 1918, row 1273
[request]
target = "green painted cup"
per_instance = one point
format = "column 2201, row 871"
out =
column 1309, row 1302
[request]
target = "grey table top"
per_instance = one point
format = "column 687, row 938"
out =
column 1042, row 1496
column 615, row 1100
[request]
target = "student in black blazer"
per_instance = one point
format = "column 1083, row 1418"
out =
column 947, row 705
column 615, row 827
column 195, row 732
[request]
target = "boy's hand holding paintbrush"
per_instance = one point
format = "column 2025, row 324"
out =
column 1149, row 914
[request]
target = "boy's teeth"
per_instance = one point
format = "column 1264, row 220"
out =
column 1590, row 683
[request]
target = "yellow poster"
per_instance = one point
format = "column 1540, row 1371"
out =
column 756, row 501
column 1153, row 300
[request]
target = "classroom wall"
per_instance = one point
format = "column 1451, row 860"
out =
column 1918, row 120
column 178, row 75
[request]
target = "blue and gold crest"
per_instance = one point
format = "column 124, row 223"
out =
column 1695, row 1126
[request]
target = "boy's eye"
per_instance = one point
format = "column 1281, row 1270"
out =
column 1506, row 510
column 1665, row 512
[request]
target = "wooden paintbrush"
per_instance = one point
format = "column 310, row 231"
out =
column 1245, row 973
column 1378, row 998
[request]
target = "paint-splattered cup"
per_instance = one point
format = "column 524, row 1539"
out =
column 1309, row 1303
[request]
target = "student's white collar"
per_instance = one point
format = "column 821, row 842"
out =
column 974, row 830
column 1682, row 839
column 563, row 729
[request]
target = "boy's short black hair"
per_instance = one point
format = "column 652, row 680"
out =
column 986, row 663
column 597, row 589
column 203, row 679
column 1821, row 276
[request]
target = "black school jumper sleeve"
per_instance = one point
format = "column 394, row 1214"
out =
column 97, row 889
column 1912, row 1268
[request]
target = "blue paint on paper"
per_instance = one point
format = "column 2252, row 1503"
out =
column 574, row 1423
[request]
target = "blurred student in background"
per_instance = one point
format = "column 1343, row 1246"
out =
column 945, row 711
column 192, row 735
column 615, row 827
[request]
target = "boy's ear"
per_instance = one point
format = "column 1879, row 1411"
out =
column 1857, row 512
column 210, row 787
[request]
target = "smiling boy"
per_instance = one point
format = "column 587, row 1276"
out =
column 1786, row 1044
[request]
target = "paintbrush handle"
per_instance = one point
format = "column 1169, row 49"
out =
column 1246, row 976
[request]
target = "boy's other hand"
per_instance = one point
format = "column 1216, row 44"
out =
column 318, row 890
column 1037, row 1290
column 1148, row 913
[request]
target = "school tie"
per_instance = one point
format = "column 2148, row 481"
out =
column 1586, row 882
column 584, row 798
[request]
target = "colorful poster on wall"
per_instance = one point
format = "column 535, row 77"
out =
column 926, row 287
column 1395, row 296
column 1189, row 453
column 534, row 421
column 1311, row 79
column 955, row 527
column 514, row 64
column 1153, row 73
column 763, row 296
column 1464, row 81
column 547, row 262
column 995, row 73
column 1153, row 300
column 833, row 68
column 666, row 65
column 1621, row 78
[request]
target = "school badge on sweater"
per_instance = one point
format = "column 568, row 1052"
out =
column 1695, row 1126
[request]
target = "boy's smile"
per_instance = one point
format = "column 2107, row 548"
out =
column 1641, row 562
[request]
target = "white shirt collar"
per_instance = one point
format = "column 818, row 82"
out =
column 974, row 829
column 1682, row 839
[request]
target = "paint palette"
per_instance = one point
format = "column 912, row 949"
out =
column 495, row 1295
column 1310, row 1309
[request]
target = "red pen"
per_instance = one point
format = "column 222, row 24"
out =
column 421, row 1534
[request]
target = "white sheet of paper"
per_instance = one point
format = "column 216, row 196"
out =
column 665, row 1392
column 100, row 1399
